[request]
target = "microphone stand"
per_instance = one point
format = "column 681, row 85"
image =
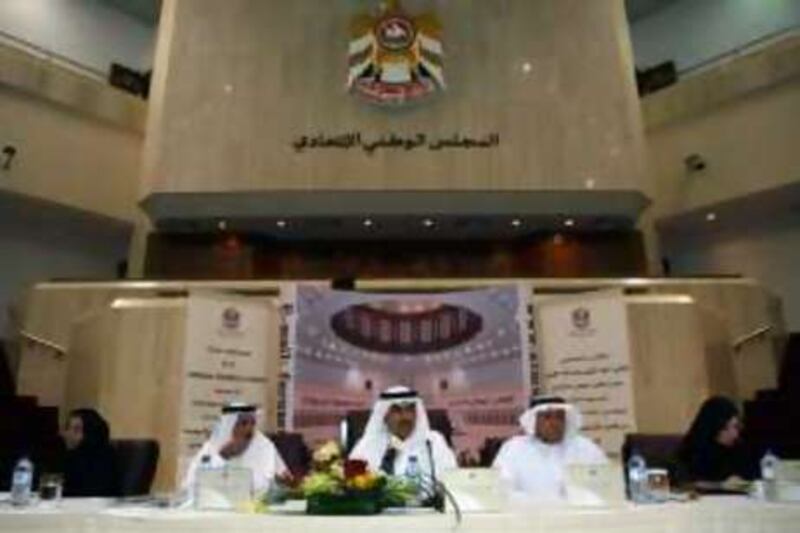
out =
column 437, row 498
column 440, row 491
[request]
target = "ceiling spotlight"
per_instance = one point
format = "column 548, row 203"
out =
column 368, row 223
column 516, row 223
column 428, row 223
column 526, row 67
column 589, row 183
column 569, row 222
column 711, row 217
column 281, row 223
column 222, row 225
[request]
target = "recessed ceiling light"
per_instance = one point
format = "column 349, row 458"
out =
column 428, row 222
column 368, row 223
column 527, row 67
column 222, row 225
column 516, row 223
column 711, row 217
column 589, row 183
column 569, row 222
column 281, row 223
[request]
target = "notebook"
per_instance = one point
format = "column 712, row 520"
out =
column 595, row 484
column 475, row 489
column 224, row 489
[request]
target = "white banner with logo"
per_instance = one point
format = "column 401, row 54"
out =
column 585, row 352
column 225, row 360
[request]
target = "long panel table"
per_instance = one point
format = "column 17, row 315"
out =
column 728, row 515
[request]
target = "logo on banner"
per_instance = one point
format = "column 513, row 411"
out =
column 395, row 58
column 231, row 320
column 582, row 321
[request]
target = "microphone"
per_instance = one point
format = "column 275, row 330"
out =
column 440, row 491
column 437, row 498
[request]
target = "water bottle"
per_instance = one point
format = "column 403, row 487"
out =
column 637, row 478
column 769, row 466
column 197, row 488
column 414, row 476
column 412, row 472
column 21, row 482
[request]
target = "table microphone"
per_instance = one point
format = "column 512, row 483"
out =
column 438, row 494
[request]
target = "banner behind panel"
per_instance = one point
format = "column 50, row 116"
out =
column 465, row 352
column 225, row 361
column 586, row 358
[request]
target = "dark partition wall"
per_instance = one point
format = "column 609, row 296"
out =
column 228, row 256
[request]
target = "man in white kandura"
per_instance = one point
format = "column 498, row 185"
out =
column 397, row 431
column 236, row 441
column 532, row 466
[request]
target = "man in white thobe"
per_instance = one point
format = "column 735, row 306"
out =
column 397, row 432
column 236, row 441
column 532, row 466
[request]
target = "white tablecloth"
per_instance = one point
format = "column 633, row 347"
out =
column 722, row 515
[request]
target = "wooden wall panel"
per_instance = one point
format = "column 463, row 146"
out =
column 670, row 376
column 176, row 256
column 128, row 363
column 742, row 310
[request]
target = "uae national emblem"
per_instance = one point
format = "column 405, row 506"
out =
column 581, row 318
column 395, row 58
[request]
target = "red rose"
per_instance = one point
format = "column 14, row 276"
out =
column 354, row 467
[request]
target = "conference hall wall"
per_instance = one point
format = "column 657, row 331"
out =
column 239, row 83
column 125, row 340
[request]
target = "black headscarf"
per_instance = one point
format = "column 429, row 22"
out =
column 702, row 457
column 90, row 469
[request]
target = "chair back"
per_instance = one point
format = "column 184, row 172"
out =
column 136, row 460
column 293, row 451
column 658, row 450
column 357, row 422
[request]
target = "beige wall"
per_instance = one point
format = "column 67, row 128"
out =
column 742, row 117
column 78, row 141
column 767, row 249
column 237, row 81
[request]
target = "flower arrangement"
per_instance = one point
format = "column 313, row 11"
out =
column 346, row 486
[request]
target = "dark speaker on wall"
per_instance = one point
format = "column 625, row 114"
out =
column 129, row 80
column 343, row 284
column 656, row 78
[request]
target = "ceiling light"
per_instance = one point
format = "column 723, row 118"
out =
column 516, row 223
column 711, row 217
column 526, row 67
column 222, row 225
column 281, row 223
column 368, row 222
column 428, row 223
column 569, row 222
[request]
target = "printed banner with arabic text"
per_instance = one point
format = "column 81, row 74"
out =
column 465, row 352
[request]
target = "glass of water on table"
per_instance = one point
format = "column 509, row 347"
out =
column 50, row 488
